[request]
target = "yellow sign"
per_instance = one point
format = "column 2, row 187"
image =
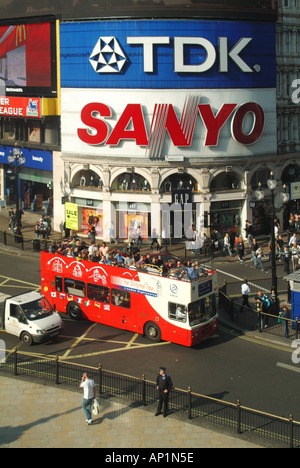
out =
column 71, row 216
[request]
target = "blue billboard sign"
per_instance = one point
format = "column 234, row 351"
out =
column 34, row 159
column 162, row 54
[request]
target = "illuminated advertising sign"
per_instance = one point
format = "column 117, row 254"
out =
column 153, row 125
column 28, row 59
column 171, row 54
column 34, row 158
column 20, row 107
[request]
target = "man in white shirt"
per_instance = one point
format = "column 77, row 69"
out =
column 89, row 394
column 245, row 295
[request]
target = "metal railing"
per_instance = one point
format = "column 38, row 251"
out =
column 253, row 320
column 19, row 242
column 193, row 406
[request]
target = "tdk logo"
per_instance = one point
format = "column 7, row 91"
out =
column 109, row 57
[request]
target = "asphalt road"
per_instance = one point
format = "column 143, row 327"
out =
column 229, row 366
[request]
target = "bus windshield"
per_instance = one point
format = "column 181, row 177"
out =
column 37, row 310
column 202, row 310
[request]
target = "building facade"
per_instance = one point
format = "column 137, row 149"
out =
column 165, row 123
column 173, row 120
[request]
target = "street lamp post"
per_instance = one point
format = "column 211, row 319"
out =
column 272, row 185
column 17, row 161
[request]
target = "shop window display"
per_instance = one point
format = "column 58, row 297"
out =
column 226, row 181
column 131, row 182
column 178, row 182
column 87, row 178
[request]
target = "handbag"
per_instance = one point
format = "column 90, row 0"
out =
column 95, row 407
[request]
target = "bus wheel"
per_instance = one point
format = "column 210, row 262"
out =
column 152, row 331
column 74, row 311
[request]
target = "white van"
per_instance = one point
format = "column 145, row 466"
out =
column 30, row 317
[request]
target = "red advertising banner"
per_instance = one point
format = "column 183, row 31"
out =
column 20, row 107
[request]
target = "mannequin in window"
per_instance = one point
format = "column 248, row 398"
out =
column 146, row 186
column 180, row 185
column 124, row 185
column 82, row 181
column 133, row 185
column 168, row 187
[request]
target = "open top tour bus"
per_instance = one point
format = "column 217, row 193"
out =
column 171, row 308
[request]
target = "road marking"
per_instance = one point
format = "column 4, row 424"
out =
column 288, row 367
column 81, row 338
column 116, row 350
column 132, row 340
column 255, row 340
column 242, row 279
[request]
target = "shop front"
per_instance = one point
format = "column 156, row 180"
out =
column 34, row 180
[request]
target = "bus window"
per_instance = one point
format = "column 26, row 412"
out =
column 202, row 310
column 58, row 283
column 120, row 298
column 177, row 312
column 74, row 287
column 98, row 293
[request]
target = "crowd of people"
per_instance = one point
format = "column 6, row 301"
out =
column 133, row 259
column 286, row 251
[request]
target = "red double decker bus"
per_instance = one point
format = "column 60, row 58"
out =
column 171, row 308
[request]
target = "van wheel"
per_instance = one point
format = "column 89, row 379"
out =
column 152, row 331
column 74, row 311
column 27, row 338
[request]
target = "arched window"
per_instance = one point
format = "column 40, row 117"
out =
column 260, row 176
column 131, row 182
column 87, row 178
column 291, row 174
column 177, row 182
column 226, row 181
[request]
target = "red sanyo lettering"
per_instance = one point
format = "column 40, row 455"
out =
column 131, row 125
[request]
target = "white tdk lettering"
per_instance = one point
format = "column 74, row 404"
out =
column 181, row 43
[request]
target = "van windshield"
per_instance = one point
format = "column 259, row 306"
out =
column 37, row 310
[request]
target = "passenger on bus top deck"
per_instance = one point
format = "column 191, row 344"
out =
column 192, row 272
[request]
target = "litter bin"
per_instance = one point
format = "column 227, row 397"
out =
column 36, row 245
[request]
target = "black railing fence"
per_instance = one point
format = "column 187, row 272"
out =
column 252, row 320
column 193, row 406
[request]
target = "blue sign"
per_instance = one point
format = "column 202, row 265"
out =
column 35, row 159
column 165, row 54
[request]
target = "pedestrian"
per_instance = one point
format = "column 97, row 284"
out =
column 227, row 244
column 283, row 318
column 254, row 248
column 259, row 254
column 286, row 260
column 266, row 305
column 164, row 387
column 245, row 295
column 240, row 248
column 89, row 394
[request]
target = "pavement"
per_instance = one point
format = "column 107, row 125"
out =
column 33, row 415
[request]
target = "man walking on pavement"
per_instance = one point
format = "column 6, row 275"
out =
column 245, row 295
column 89, row 394
column 164, row 387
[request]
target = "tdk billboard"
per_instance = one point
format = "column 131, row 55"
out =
column 168, row 54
